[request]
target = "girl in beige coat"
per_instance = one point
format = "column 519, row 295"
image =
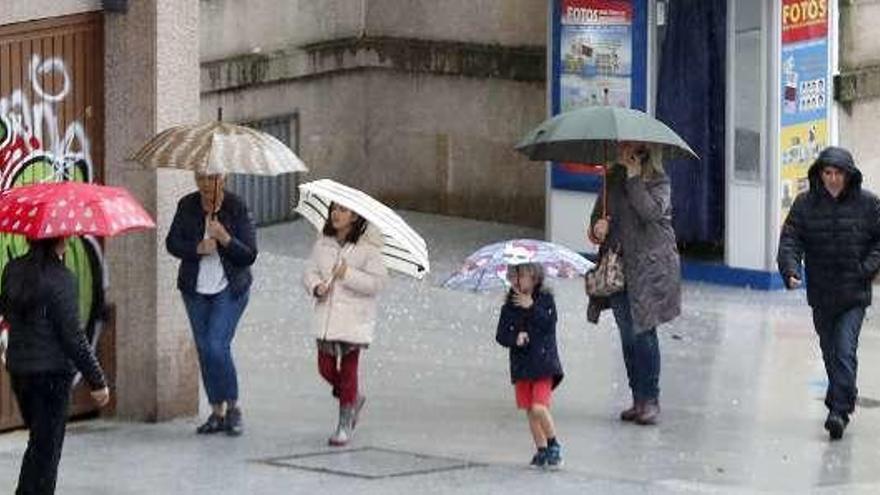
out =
column 344, row 274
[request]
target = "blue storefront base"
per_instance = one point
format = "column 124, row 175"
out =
column 720, row 274
column 717, row 273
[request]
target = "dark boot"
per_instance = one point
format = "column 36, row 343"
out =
column 214, row 424
column 649, row 413
column 630, row 415
column 234, row 422
column 835, row 424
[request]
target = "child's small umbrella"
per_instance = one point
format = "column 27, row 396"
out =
column 486, row 269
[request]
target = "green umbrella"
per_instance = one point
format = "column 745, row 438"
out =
column 590, row 135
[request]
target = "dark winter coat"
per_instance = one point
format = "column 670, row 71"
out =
column 46, row 338
column 837, row 239
column 641, row 225
column 540, row 357
column 188, row 230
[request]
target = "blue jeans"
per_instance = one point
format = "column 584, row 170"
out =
column 839, row 340
column 213, row 320
column 641, row 351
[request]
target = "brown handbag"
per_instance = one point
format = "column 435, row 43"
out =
column 606, row 278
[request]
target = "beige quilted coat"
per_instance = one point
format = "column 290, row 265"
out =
column 348, row 313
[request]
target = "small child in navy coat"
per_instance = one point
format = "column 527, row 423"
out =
column 528, row 328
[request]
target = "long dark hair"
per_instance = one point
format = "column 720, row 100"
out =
column 354, row 235
column 24, row 290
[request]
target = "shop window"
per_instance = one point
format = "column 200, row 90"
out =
column 748, row 108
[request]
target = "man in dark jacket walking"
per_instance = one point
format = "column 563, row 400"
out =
column 834, row 229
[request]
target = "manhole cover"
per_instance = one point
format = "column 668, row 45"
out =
column 369, row 463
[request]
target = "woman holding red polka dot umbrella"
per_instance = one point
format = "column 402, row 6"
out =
column 38, row 302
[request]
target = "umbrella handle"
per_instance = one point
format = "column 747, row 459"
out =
column 605, row 182
column 605, row 193
column 214, row 201
column 347, row 248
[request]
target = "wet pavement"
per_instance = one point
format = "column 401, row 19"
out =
column 742, row 383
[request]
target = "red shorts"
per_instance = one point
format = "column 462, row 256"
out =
column 531, row 392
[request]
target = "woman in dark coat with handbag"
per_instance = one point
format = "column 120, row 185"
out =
column 40, row 305
column 638, row 224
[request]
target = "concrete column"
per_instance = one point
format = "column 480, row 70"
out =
column 152, row 82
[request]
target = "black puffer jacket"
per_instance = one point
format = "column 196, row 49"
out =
column 46, row 338
column 838, row 239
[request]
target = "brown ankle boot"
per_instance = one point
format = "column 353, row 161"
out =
column 649, row 413
column 632, row 413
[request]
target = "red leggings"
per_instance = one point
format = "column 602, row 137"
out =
column 342, row 374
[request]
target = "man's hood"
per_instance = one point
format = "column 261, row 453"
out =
column 839, row 158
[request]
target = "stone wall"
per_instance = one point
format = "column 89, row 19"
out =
column 419, row 105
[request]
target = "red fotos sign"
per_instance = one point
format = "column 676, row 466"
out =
column 593, row 12
column 804, row 20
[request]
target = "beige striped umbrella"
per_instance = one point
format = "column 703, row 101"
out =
column 219, row 148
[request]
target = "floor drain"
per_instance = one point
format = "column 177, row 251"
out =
column 369, row 463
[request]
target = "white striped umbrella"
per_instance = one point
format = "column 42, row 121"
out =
column 219, row 148
column 403, row 250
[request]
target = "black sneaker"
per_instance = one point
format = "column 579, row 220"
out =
column 214, row 424
column 233, row 423
column 539, row 460
column 835, row 424
column 554, row 456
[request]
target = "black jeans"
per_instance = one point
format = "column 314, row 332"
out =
column 43, row 399
column 839, row 340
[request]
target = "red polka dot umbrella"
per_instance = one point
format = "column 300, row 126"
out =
column 64, row 209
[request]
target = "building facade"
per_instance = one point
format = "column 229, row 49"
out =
column 82, row 85
column 757, row 87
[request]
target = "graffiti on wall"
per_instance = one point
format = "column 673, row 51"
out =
column 37, row 146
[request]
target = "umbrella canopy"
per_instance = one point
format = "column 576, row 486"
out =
column 219, row 148
column 486, row 269
column 404, row 250
column 64, row 209
column 590, row 135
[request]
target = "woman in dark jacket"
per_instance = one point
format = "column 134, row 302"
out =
column 213, row 236
column 46, row 345
column 639, row 224
column 527, row 327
